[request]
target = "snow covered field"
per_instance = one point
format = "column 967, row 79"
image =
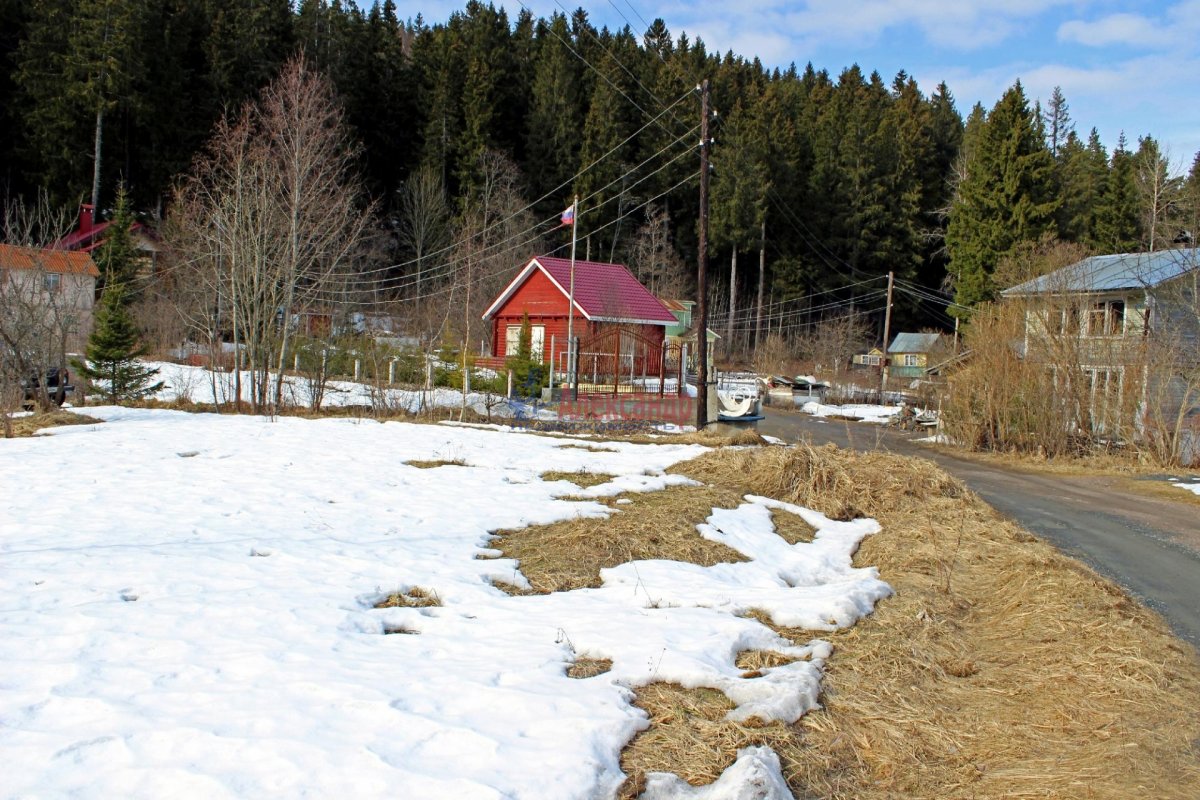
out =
column 188, row 611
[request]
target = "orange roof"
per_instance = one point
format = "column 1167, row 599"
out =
column 61, row 261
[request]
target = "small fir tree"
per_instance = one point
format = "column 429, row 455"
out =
column 529, row 373
column 113, row 350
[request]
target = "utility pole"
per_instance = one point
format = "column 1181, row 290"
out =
column 571, row 355
column 702, row 269
column 887, row 332
column 762, row 277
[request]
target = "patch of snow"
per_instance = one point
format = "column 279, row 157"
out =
column 1194, row 488
column 938, row 438
column 756, row 775
column 205, row 626
column 204, row 386
column 773, row 440
column 864, row 412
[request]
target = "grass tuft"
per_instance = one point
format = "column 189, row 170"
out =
column 30, row 425
column 581, row 479
column 416, row 597
column 589, row 667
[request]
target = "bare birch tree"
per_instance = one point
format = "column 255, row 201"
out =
column 269, row 220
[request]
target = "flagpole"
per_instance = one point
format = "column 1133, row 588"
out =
column 571, row 296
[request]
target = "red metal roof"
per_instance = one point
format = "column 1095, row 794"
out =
column 61, row 261
column 603, row 291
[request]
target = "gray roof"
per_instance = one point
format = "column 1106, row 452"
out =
column 1113, row 272
column 914, row 342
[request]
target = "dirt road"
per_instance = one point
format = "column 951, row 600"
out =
column 1150, row 546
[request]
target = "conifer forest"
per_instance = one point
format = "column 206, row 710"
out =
column 465, row 138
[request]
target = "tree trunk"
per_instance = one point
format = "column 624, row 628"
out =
column 96, row 163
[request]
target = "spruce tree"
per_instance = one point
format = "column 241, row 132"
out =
column 117, row 259
column 113, row 351
column 1117, row 228
column 1004, row 196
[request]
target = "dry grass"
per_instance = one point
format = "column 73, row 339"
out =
column 754, row 661
column 1000, row 669
column 28, row 426
column 433, row 463
column 591, row 448
column 570, row 554
column 581, row 479
column 836, row 482
column 416, row 597
column 1163, row 490
column 689, row 735
column 589, row 667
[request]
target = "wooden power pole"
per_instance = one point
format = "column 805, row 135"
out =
column 762, row 278
column 702, row 270
column 887, row 332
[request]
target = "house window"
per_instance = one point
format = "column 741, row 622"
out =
column 52, row 281
column 912, row 360
column 1107, row 318
column 537, row 340
column 1105, row 388
column 1060, row 320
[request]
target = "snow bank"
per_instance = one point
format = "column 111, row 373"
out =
column 1194, row 488
column 756, row 775
column 864, row 412
column 203, row 624
column 200, row 385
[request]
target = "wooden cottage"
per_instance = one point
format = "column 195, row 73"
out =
column 609, row 303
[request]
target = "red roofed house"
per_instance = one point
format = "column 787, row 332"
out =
column 89, row 234
column 58, row 282
column 607, row 298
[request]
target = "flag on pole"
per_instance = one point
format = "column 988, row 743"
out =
column 568, row 216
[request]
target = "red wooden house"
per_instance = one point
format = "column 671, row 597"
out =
column 608, row 299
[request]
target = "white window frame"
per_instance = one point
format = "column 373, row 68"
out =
column 912, row 360
column 537, row 340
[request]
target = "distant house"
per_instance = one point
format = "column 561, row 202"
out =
column 910, row 354
column 89, row 234
column 1131, row 325
column 871, row 358
column 51, row 283
column 608, row 299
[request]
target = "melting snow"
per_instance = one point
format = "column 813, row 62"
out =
column 189, row 611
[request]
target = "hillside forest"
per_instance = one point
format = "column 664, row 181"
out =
column 460, row 141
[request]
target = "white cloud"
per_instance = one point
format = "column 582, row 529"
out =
column 1115, row 29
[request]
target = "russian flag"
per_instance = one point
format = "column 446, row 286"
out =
column 568, row 216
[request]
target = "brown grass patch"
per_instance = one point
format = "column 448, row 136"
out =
column 416, row 597
column 591, row 448
column 1000, row 669
column 689, row 735
column 433, row 463
column 581, row 479
column 28, row 426
column 754, row 661
column 792, row 527
column 1163, row 490
column 570, row 554
column 589, row 667
column 838, row 483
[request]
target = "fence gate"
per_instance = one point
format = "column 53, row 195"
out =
column 620, row 361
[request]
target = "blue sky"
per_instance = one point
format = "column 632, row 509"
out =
column 1123, row 66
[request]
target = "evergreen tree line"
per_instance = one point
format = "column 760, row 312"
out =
column 842, row 178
